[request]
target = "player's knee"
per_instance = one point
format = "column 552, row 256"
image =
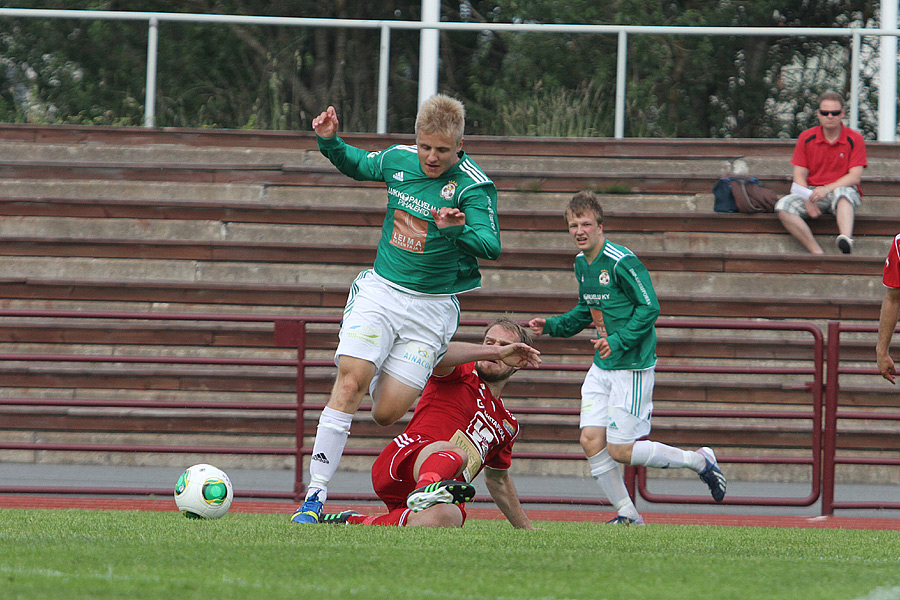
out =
column 591, row 442
column 391, row 402
column 621, row 453
column 385, row 415
column 347, row 393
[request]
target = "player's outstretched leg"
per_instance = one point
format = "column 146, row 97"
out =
column 338, row 518
column 712, row 475
column 440, row 492
column 309, row 512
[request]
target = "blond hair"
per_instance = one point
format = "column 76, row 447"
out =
column 442, row 115
column 582, row 203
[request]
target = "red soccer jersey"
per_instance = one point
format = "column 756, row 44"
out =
column 461, row 409
column 828, row 162
column 891, row 277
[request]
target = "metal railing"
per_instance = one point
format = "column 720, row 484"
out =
column 888, row 97
column 78, row 403
column 819, row 452
column 835, row 415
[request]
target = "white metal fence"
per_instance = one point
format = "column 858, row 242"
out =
column 887, row 92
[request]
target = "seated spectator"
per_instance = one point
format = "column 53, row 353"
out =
column 828, row 160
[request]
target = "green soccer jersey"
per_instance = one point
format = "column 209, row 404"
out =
column 615, row 293
column 413, row 252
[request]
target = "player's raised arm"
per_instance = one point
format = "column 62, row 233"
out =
column 516, row 354
column 326, row 124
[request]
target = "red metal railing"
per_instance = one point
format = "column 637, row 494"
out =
column 833, row 415
column 126, row 403
column 292, row 332
column 813, row 413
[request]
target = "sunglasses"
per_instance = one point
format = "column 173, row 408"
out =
column 832, row 113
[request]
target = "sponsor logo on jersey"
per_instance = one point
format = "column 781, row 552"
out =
column 604, row 277
column 410, row 232
column 398, row 175
column 410, row 203
column 481, row 433
column 364, row 333
column 597, row 317
column 594, row 298
column 418, row 355
column 448, row 190
column 637, row 279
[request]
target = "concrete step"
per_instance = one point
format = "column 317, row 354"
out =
column 763, row 244
column 171, row 154
column 523, row 179
column 736, row 285
column 760, row 236
column 774, row 164
column 168, row 191
column 185, row 337
column 174, row 192
column 319, row 299
column 344, row 249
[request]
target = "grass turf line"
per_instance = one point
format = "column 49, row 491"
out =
column 63, row 554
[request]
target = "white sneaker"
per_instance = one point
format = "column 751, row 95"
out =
column 844, row 244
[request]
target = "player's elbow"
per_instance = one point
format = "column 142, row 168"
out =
column 492, row 251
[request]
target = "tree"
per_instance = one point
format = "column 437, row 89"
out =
column 266, row 77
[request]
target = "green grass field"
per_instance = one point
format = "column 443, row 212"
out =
column 62, row 554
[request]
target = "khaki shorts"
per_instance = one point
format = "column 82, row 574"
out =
column 402, row 334
column 794, row 205
column 620, row 401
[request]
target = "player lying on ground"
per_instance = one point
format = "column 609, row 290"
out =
column 460, row 427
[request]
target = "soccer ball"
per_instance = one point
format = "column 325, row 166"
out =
column 203, row 492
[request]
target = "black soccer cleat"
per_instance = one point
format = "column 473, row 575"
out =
column 712, row 475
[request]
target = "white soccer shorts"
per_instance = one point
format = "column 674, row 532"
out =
column 620, row 401
column 402, row 334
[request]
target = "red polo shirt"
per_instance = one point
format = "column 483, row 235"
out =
column 828, row 162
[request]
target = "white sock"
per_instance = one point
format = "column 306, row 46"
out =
column 605, row 472
column 331, row 437
column 654, row 454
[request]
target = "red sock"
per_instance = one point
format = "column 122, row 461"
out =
column 358, row 519
column 395, row 517
column 439, row 466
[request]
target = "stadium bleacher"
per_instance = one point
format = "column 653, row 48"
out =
column 126, row 219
